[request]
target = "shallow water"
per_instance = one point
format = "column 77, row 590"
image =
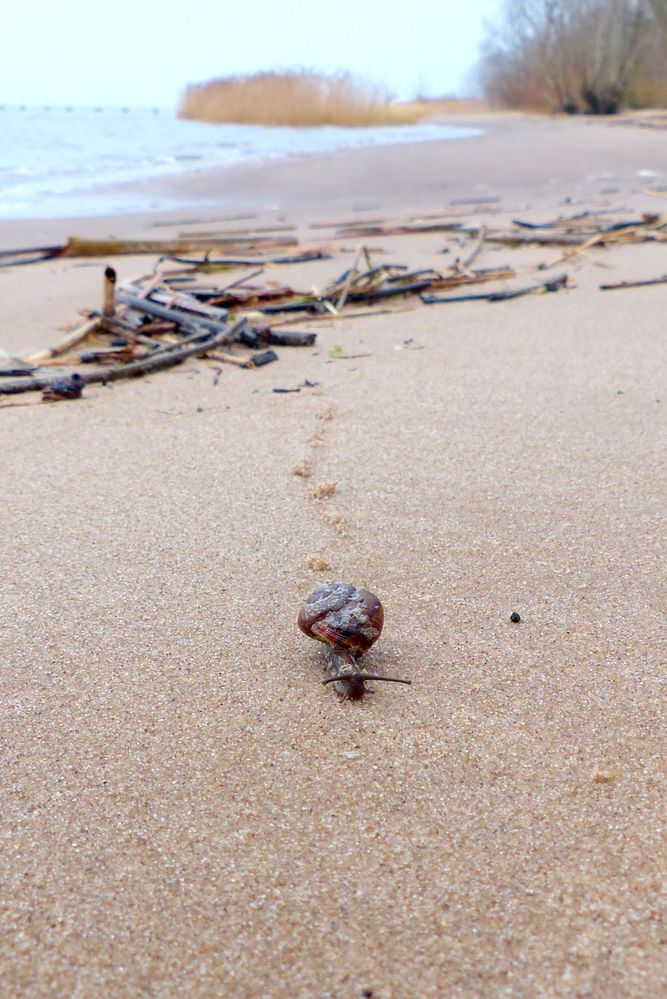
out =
column 55, row 162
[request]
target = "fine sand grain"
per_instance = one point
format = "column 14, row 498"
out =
column 186, row 809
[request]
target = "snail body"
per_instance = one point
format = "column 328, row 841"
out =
column 347, row 621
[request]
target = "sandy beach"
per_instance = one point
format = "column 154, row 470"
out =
column 186, row 809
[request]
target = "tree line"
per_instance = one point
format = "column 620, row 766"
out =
column 590, row 56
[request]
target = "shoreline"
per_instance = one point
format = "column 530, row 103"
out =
column 175, row 150
column 521, row 158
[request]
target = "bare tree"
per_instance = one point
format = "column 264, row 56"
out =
column 573, row 55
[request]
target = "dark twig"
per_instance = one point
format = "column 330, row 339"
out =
column 554, row 284
column 617, row 285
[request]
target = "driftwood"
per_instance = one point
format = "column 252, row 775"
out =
column 567, row 223
column 533, row 239
column 288, row 338
column 227, row 358
column 32, row 255
column 190, row 321
column 184, row 301
column 554, row 284
column 17, row 369
column 349, row 277
column 407, row 229
column 158, row 361
column 77, row 246
column 462, row 265
column 449, row 214
column 618, row 285
column 259, row 360
column 210, row 263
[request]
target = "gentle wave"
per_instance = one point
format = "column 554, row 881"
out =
column 55, row 162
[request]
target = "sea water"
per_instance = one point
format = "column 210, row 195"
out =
column 64, row 162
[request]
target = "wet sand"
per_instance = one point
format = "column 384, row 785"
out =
column 186, row 809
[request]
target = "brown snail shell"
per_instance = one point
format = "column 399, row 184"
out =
column 343, row 617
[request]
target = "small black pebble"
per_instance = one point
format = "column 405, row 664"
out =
column 514, row 617
column 367, row 993
column 199, row 409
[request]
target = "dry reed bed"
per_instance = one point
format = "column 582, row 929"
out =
column 292, row 98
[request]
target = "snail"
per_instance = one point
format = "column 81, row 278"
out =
column 347, row 621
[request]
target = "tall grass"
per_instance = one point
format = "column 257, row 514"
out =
column 292, row 98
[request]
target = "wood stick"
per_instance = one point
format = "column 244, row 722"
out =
column 291, row 338
column 553, row 284
column 463, row 265
column 64, row 361
column 180, row 300
column 31, row 255
column 183, row 319
column 242, row 280
column 74, row 338
column 158, row 361
column 207, row 262
column 348, row 280
column 536, row 239
column 617, row 285
column 226, row 358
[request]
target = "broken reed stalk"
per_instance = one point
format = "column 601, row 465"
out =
column 158, row 361
column 109, row 297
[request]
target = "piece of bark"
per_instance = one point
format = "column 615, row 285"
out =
column 259, row 360
column 289, row 338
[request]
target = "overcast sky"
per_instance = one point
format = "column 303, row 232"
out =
column 69, row 52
